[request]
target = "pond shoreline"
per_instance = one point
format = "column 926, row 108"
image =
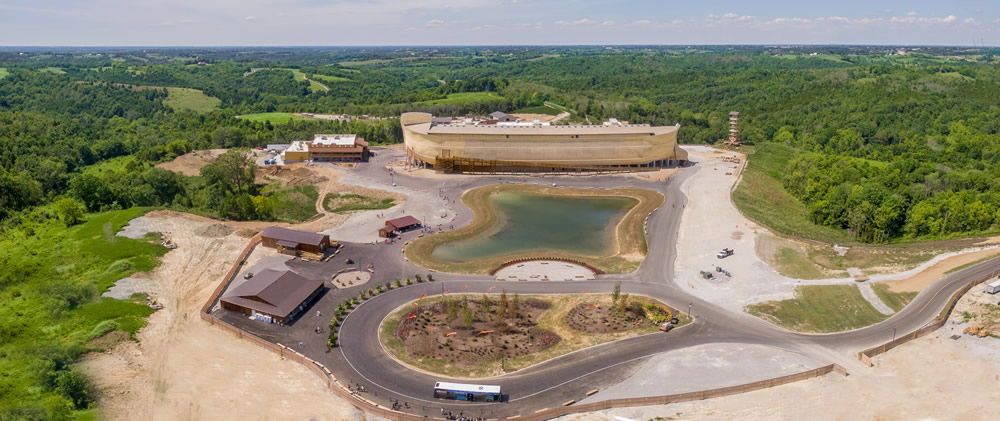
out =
column 627, row 250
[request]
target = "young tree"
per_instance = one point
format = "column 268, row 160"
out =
column 515, row 307
column 622, row 304
column 467, row 313
column 70, row 210
column 616, row 293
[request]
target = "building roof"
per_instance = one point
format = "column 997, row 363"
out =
column 552, row 130
column 294, row 236
column 334, row 139
column 403, row 222
column 498, row 115
column 273, row 292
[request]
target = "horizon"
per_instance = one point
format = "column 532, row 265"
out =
column 237, row 46
column 370, row 23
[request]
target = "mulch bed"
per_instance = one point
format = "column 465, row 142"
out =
column 439, row 332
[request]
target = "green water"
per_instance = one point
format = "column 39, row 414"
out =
column 580, row 225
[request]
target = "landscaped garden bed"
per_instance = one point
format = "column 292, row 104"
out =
column 491, row 334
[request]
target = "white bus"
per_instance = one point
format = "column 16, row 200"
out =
column 467, row 392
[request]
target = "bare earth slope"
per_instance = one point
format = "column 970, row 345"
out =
column 185, row 369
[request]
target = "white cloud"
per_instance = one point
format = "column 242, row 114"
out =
column 608, row 23
column 433, row 23
column 583, row 21
column 642, row 22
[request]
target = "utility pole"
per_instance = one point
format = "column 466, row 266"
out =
column 689, row 309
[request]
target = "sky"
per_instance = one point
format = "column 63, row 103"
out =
column 495, row 22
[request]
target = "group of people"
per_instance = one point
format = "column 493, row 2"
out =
column 460, row 417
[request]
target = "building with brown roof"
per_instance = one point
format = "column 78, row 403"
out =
column 538, row 147
column 398, row 225
column 328, row 148
column 273, row 295
column 291, row 241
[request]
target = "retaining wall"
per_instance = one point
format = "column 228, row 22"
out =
column 538, row 259
column 942, row 318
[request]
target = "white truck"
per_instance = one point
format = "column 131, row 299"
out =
column 993, row 287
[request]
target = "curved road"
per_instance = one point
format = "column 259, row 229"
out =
column 360, row 358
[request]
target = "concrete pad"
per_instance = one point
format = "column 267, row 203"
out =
column 432, row 209
column 544, row 270
column 706, row 367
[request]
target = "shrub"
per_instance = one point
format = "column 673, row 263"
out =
column 419, row 279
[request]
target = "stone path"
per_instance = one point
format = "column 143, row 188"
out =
column 872, row 297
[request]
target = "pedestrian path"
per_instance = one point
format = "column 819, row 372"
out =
column 872, row 297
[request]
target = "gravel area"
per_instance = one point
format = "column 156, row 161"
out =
column 125, row 287
column 706, row 367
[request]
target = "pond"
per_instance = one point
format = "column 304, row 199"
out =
column 527, row 221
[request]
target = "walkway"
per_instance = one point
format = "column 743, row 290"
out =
column 873, row 298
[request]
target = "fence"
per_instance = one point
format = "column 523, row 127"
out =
column 942, row 318
column 378, row 410
column 254, row 241
column 555, row 259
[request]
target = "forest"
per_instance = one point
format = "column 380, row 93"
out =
column 883, row 146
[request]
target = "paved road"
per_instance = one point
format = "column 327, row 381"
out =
column 360, row 358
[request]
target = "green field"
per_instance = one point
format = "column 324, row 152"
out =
column 761, row 197
column 463, row 98
column 293, row 204
column 820, row 309
column 328, row 78
column 314, row 86
column 538, row 109
column 340, row 203
column 895, row 300
column 4, row 72
column 51, row 306
column 180, row 99
column 275, row 117
column 55, row 70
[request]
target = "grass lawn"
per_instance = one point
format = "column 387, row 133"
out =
column 630, row 236
column 274, row 117
column 340, row 203
column 190, row 99
column 790, row 262
column 895, row 300
column 294, row 204
column 820, row 309
column 538, row 109
column 4, row 72
column 553, row 320
column 464, row 98
column 55, row 70
column 314, row 86
column 762, row 198
column 328, row 78
column 51, row 306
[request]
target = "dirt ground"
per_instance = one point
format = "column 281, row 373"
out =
column 931, row 378
column 921, row 280
column 529, row 117
column 183, row 368
column 190, row 163
column 427, row 332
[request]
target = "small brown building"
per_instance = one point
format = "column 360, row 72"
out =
column 398, row 225
column 291, row 241
column 273, row 295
